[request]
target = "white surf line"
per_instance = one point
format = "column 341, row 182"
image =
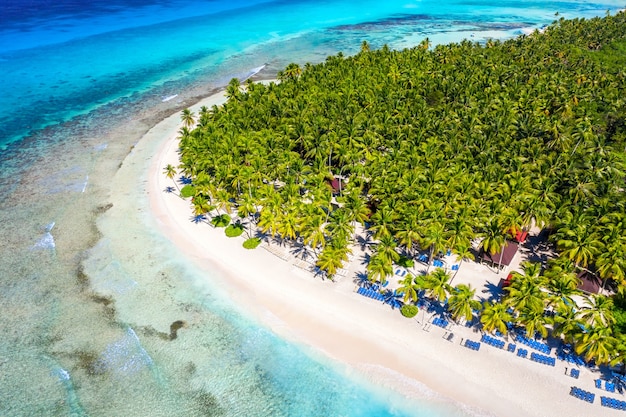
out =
column 168, row 98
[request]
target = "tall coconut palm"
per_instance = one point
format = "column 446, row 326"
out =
column 408, row 288
column 462, row 251
column 597, row 344
column 462, row 303
column 579, row 244
column 525, row 290
column 495, row 317
column 533, row 320
column 562, row 284
column 437, row 284
column 597, row 310
column 188, row 118
column 170, row 172
column 565, row 323
column 379, row 268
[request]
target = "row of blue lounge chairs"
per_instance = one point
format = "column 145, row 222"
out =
column 613, row 403
column 541, row 347
column 545, row 360
column 470, row 344
column 438, row 321
column 582, row 394
column 608, row 385
column 492, row 341
column 571, row 358
column 371, row 294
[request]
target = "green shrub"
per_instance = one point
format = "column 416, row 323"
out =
column 234, row 230
column 221, row 221
column 409, row 310
column 405, row 262
column 187, row 191
column 252, row 243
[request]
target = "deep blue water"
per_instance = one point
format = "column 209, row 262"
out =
column 80, row 82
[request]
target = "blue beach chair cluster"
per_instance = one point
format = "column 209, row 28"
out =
column 492, row 341
column 422, row 258
column 541, row 347
column 438, row 321
column 438, row 263
column 571, row 358
column 574, row 373
column 545, row 360
column 522, row 353
column 582, row 394
column 613, row 403
column 511, row 347
column 371, row 294
column 470, row 344
column 608, row 385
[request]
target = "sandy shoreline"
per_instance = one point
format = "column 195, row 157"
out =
column 362, row 333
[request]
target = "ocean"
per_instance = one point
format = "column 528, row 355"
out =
column 87, row 300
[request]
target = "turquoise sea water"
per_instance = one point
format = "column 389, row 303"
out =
column 87, row 299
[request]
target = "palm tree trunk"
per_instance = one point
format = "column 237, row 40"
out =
column 501, row 255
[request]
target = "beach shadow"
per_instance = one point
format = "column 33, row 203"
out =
column 303, row 252
column 365, row 241
column 200, row 218
column 494, row 292
column 361, row 279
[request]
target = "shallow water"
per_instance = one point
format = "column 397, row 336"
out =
column 88, row 292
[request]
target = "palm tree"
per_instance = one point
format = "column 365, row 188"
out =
column 379, row 268
column 387, row 249
column 525, row 290
column 579, row 244
column 495, row 317
column 170, row 172
column 462, row 303
column 188, row 118
column 597, row 344
column 409, row 288
column 463, row 250
column 434, row 238
column 534, row 321
column 562, row 284
column 233, row 90
column 494, row 239
column 565, row 322
column 437, row 284
column 597, row 310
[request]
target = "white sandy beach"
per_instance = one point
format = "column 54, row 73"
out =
column 360, row 332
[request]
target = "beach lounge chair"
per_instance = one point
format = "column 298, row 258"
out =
column 574, row 373
column 609, row 386
column 598, row 383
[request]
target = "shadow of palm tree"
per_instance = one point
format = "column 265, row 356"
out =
column 303, row 252
column 365, row 259
column 365, row 241
column 184, row 180
column 361, row 279
column 263, row 237
column 495, row 292
column 393, row 299
column 169, row 189
column 200, row 218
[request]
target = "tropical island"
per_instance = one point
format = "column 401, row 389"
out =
column 458, row 150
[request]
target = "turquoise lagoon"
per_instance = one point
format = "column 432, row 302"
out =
column 87, row 300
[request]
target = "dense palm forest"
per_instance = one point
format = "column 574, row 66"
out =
column 431, row 149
